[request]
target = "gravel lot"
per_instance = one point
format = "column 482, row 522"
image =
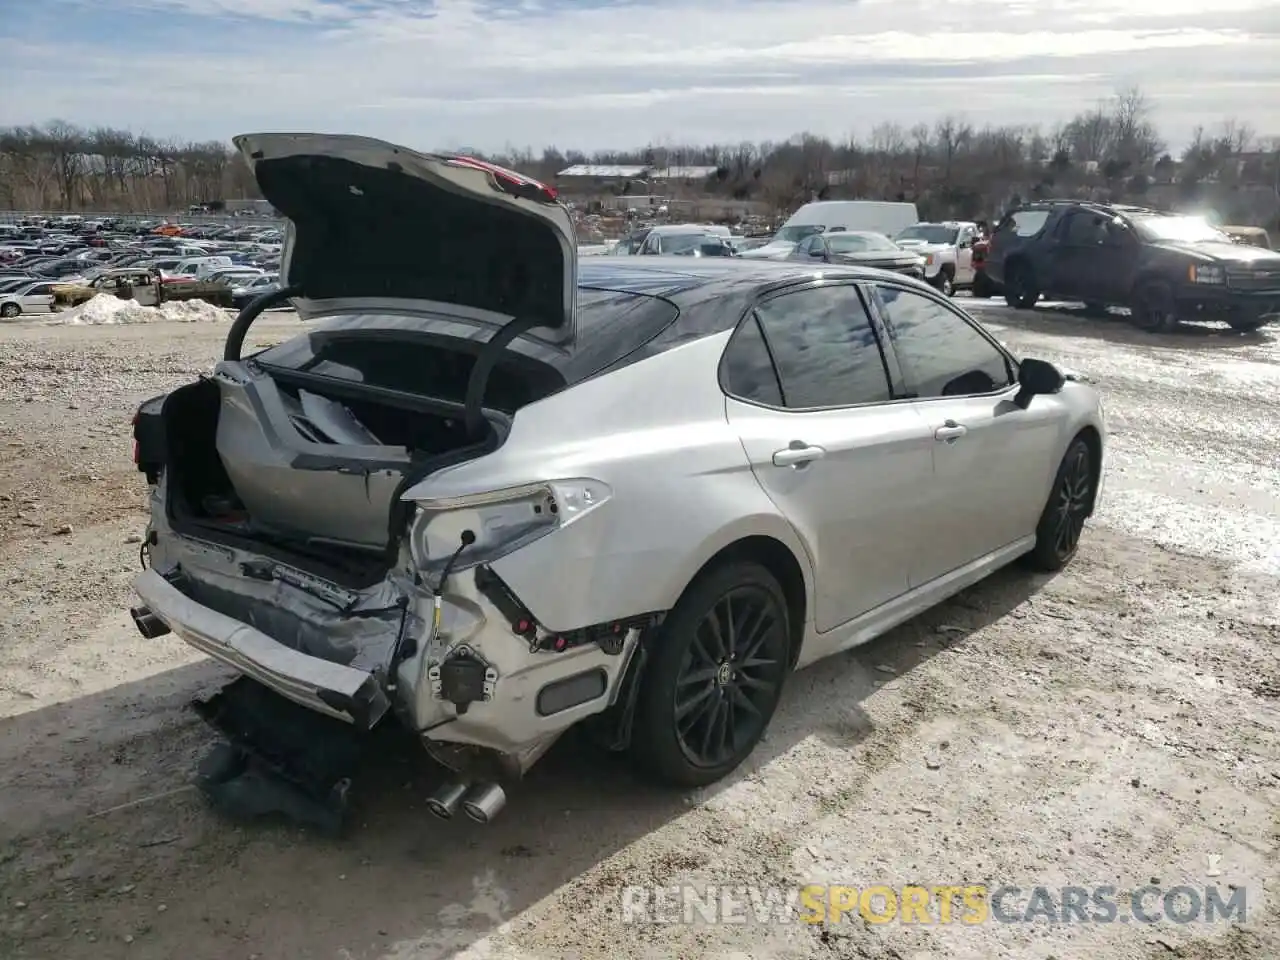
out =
column 1116, row 724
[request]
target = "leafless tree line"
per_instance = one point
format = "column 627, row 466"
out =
column 952, row 166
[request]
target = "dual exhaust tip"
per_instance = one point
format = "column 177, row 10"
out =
column 481, row 803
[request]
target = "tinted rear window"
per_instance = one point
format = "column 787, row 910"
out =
column 412, row 363
column 612, row 325
column 422, row 359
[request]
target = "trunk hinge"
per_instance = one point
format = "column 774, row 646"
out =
column 485, row 362
column 244, row 319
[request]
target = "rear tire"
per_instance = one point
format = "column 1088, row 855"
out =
column 714, row 678
column 1020, row 290
column 1062, row 522
column 983, row 288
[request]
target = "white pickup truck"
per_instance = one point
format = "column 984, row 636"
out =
column 947, row 249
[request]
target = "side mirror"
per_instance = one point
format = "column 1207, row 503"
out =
column 1037, row 377
column 964, row 244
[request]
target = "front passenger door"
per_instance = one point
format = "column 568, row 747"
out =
column 992, row 460
column 809, row 393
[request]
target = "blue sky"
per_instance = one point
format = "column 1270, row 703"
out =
column 601, row 74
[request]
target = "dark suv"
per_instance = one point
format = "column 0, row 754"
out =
column 1163, row 267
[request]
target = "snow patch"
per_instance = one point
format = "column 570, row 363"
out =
column 106, row 308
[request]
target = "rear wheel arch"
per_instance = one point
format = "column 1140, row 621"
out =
column 781, row 561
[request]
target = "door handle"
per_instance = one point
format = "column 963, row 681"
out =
column 797, row 455
column 950, row 432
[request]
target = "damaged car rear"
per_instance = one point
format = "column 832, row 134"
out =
column 370, row 519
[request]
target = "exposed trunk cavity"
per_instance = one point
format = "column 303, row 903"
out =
column 307, row 475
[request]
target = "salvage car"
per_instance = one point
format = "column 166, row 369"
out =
column 142, row 284
column 1165, row 267
column 491, row 493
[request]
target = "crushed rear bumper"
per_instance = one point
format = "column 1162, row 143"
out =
column 344, row 693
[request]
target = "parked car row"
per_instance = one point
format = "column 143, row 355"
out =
column 1163, row 267
column 52, row 262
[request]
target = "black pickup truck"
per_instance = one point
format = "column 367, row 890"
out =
column 1164, row 267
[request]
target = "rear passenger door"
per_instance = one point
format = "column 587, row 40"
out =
column 992, row 460
column 810, row 394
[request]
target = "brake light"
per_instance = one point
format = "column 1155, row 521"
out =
column 516, row 184
column 136, row 415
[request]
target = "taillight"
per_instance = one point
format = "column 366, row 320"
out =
column 136, row 415
column 516, row 184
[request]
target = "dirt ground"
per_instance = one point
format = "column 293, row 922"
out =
column 1114, row 725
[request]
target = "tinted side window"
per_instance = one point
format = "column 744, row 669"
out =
column 748, row 368
column 1083, row 229
column 941, row 353
column 825, row 348
column 1027, row 223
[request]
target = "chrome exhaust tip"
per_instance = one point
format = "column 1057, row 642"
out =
column 444, row 802
column 484, row 802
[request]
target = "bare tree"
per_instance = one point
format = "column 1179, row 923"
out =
column 947, row 168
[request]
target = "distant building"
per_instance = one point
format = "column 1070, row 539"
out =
column 585, row 178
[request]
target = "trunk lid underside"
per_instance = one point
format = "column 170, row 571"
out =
column 374, row 226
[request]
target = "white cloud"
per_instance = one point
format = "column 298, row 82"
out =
column 457, row 72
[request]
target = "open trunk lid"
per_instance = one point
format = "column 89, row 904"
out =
column 378, row 228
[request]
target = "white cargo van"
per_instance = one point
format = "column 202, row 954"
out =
column 832, row 216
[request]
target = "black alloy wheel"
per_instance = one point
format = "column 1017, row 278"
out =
column 1062, row 522
column 1073, row 503
column 728, row 680
column 715, row 676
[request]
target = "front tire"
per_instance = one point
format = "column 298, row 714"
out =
column 10, row 310
column 715, row 676
column 1246, row 326
column 944, row 284
column 1062, row 522
column 1153, row 308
